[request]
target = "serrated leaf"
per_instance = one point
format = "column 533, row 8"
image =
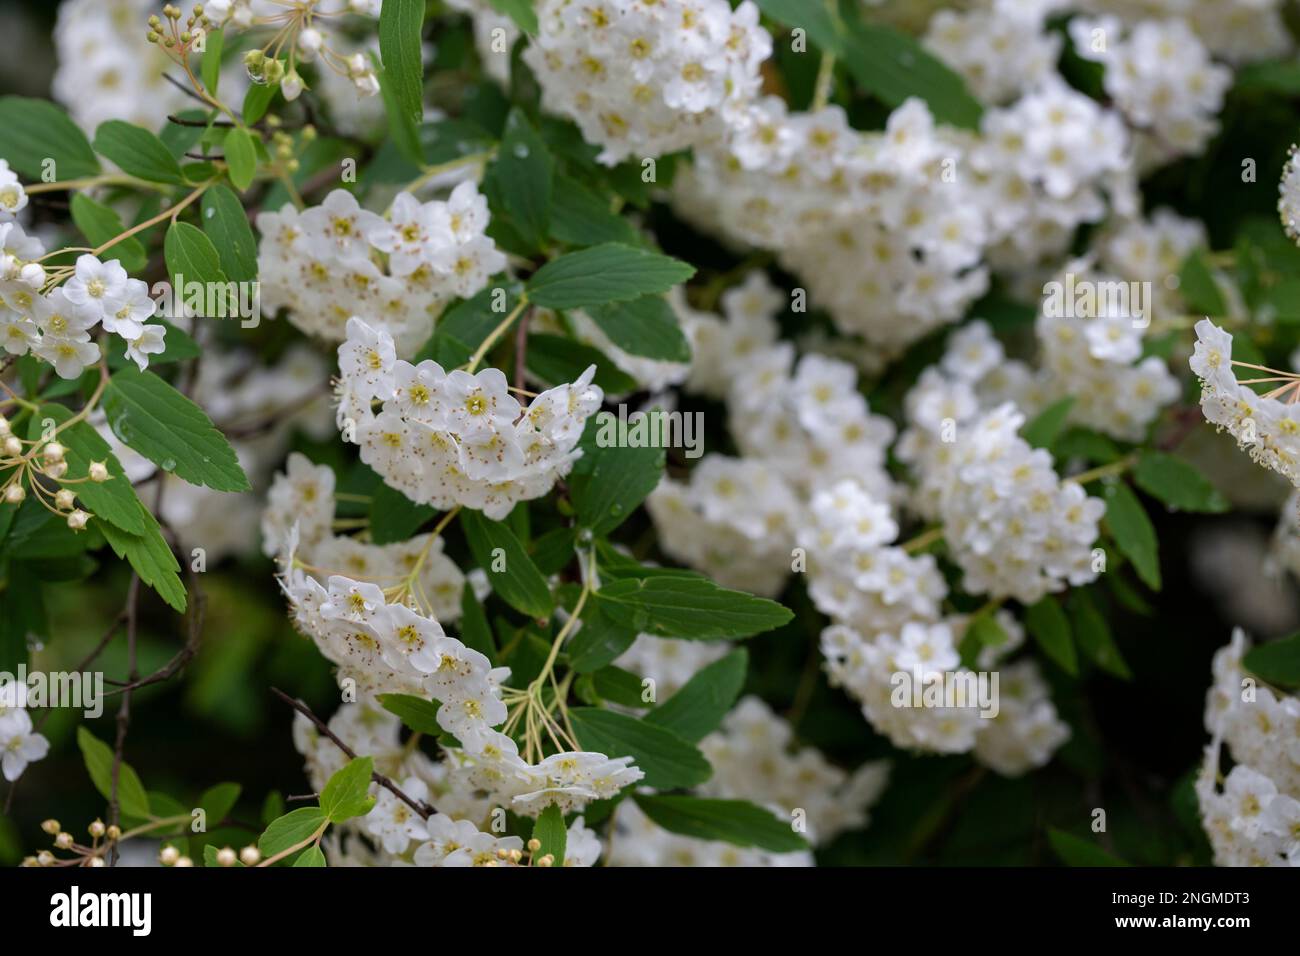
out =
column 688, row 607
column 738, row 822
column 290, row 830
column 549, row 830
column 113, row 500
column 131, row 795
column 149, row 556
column 612, row 272
column 35, row 131
column 647, row 327
column 347, row 793
column 138, row 152
column 580, row 217
column 1050, row 627
column 611, row 479
column 1133, row 532
column 668, row 761
column 698, row 707
column 1177, row 483
column 466, row 325
column 517, row 582
column 415, row 713
column 100, row 224
column 171, row 431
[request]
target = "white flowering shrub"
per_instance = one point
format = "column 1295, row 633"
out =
column 650, row 433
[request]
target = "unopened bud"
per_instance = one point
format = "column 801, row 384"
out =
column 98, row 471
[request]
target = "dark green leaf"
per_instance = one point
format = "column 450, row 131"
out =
column 1044, row 429
column 416, row 713
column 1277, row 662
column 667, row 761
column 685, row 607
column 510, row 571
column 732, row 821
column 1051, row 629
column 139, row 152
column 226, row 224
column 1133, row 532
column 647, row 327
column 100, row 225
column 33, row 132
column 612, row 272
column 555, row 360
column 699, row 706
column 401, row 27
column 1177, row 483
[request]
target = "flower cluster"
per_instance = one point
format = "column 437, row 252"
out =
column 1161, row 78
column 1000, row 53
column 642, row 79
column 334, row 261
column 1236, row 31
column 1254, row 820
column 1266, row 426
column 456, row 438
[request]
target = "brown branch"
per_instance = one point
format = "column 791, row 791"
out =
column 419, row 806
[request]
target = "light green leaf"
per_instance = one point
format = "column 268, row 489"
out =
column 698, row 707
column 510, row 571
column 241, row 157
column 312, row 856
column 34, row 131
column 1177, row 483
column 218, row 801
column 131, row 796
column 647, row 327
column 416, row 713
column 290, row 830
column 257, row 100
column 148, row 555
column 550, row 831
column 139, row 152
column 401, row 25
column 733, row 821
column 817, row 18
column 1133, row 531
column 668, row 761
column 612, row 272
column 688, row 607
column 226, row 223
column 210, row 66
column 191, row 257
column 171, row 431
column 347, row 793
column 520, row 11
column 1051, row 629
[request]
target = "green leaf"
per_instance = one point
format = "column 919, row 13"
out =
column 598, row 642
column 1089, row 445
column 1075, row 851
column 312, row 856
column 226, row 223
column 218, row 801
column 34, row 131
column 611, row 479
column 1093, row 635
column 131, row 796
column 395, row 517
column 416, row 713
column 466, row 325
column 667, row 761
column 581, row 217
column 555, row 359
column 171, row 431
column 1133, row 532
column 475, row 631
column 615, row 685
column 210, row 858
column 1177, row 483
column 257, row 100
column 688, row 607
column 550, row 831
column 113, row 500
column 647, row 327
column 401, row 26
column 698, row 707
column 1051, row 629
column 191, row 256
column 99, row 225
column 982, row 631
column 510, row 571
column 893, row 66
column 241, row 157
column 149, row 556
column 732, row 821
column 817, row 18
column 1197, row 286
column 139, row 152
column 347, row 794
column 290, row 830
column 519, row 181
column 210, row 67
column 1277, row 662
column 520, row 11
column 1043, row 431
column 612, row 272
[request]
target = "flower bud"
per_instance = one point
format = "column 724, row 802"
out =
column 98, row 471
column 13, row 446
column 63, row 841
column 45, row 858
column 184, row 861
column 292, row 86
column 57, row 470
column 97, row 829
column 14, row 494
column 51, row 827
column 77, row 520
column 96, row 861
column 250, row 855
column 273, row 71
column 114, row 831
column 53, row 451
column 64, row 499
column 226, row 857
column 33, row 275
column 168, row 855
column 310, row 41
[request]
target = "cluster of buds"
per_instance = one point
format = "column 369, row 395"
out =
column 30, row 274
column 283, row 148
column 102, row 838
column 166, row 31
column 249, row 856
column 37, row 462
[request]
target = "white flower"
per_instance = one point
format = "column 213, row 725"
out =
column 19, row 746
column 97, row 285
column 148, row 342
